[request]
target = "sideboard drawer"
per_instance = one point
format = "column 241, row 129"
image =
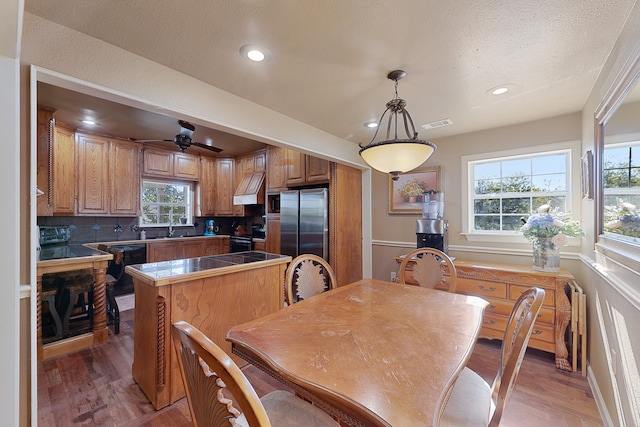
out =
column 499, row 307
column 549, row 295
column 477, row 287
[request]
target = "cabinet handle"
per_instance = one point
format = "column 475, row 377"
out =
column 490, row 289
column 490, row 322
column 491, row 306
column 536, row 332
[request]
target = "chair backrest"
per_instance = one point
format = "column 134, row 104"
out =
column 308, row 275
column 116, row 265
column 429, row 268
column 208, row 373
column 514, row 345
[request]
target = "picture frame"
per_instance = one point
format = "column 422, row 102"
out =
column 587, row 175
column 427, row 178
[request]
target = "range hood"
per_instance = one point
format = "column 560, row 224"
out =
column 251, row 190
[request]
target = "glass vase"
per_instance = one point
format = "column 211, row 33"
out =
column 546, row 255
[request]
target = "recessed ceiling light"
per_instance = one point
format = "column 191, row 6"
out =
column 89, row 122
column 371, row 125
column 500, row 90
column 255, row 53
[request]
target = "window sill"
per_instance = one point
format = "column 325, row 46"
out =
column 507, row 238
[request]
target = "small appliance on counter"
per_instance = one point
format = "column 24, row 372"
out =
column 432, row 229
column 209, row 227
column 54, row 234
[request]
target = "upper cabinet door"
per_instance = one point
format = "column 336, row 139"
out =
column 224, row 183
column 63, row 172
column 93, row 175
column 207, row 187
column 124, row 170
column 186, row 166
column 157, row 162
column 317, row 170
column 296, row 168
column 276, row 169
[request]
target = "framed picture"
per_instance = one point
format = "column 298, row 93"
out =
column 587, row 175
column 405, row 194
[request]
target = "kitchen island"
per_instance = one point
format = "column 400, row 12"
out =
column 53, row 259
column 213, row 293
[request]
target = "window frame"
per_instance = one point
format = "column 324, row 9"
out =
column 572, row 148
column 191, row 207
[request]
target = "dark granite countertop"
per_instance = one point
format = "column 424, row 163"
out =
column 166, row 272
column 66, row 251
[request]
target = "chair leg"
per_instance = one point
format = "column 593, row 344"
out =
column 113, row 309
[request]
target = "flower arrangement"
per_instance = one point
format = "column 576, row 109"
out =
column 622, row 219
column 548, row 222
column 413, row 188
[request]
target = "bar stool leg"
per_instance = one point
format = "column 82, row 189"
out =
column 112, row 308
column 57, row 323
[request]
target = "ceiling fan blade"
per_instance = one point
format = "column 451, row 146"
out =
column 150, row 140
column 208, row 147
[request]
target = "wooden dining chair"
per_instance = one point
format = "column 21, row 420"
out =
column 429, row 266
column 308, row 275
column 472, row 401
column 214, row 383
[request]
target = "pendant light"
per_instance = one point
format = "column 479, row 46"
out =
column 396, row 156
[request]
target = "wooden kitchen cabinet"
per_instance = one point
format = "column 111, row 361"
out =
column 124, row 179
column 93, row 175
column 108, row 176
column 56, row 169
column 186, row 166
column 162, row 251
column 303, row 169
column 272, row 244
column 170, row 164
column 276, row 169
column 207, row 186
column 225, row 186
column 189, row 247
column 192, row 248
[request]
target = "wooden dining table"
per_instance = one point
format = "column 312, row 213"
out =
column 372, row 353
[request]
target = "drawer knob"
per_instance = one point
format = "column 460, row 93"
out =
column 490, row 322
column 490, row 288
column 491, row 306
column 536, row 332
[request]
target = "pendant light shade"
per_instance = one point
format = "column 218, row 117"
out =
column 396, row 155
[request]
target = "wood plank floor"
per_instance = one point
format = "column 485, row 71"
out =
column 94, row 387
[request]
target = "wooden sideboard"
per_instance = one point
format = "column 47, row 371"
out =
column 501, row 284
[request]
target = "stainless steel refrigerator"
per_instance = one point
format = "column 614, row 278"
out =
column 304, row 222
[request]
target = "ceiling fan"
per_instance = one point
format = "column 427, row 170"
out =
column 183, row 139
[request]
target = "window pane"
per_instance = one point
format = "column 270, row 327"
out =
column 621, row 180
column 164, row 203
column 486, row 206
column 516, row 167
column 487, row 223
column 518, row 186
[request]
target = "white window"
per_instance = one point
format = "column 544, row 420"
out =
column 504, row 188
column 165, row 203
column 621, row 182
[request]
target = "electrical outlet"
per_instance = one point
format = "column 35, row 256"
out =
column 614, row 361
column 393, row 276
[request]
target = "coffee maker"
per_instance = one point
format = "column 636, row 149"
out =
column 209, row 227
column 432, row 228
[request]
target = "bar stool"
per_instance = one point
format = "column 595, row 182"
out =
column 75, row 285
column 114, row 273
column 49, row 294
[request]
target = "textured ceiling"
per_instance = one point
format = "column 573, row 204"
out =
column 330, row 58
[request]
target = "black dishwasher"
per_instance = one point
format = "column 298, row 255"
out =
column 132, row 254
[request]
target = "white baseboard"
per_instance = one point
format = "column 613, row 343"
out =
column 597, row 396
